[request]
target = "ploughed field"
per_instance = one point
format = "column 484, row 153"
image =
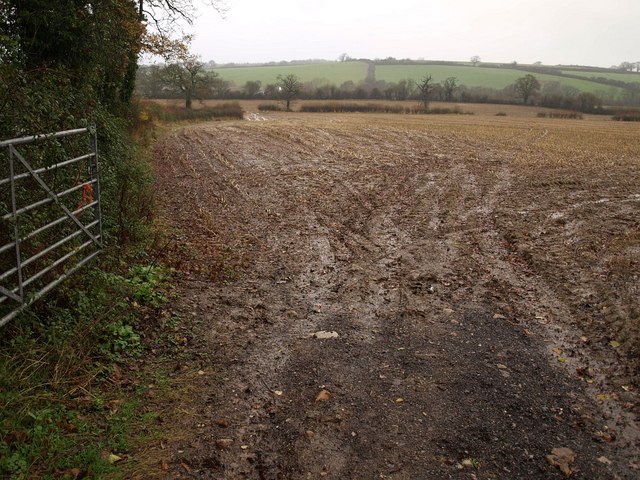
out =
column 477, row 277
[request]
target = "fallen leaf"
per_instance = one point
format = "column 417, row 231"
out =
column 501, row 366
column 497, row 316
column 562, row 458
column 626, row 388
column 278, row 392
column 614, row 344
column 244, row 447
column 186, row 467
column 200, row 372
column 323, row 396
column 605, row 460
column 164, row 465
column 556, row 350
column 562, row 359
column 113, row 458
column 399, row 400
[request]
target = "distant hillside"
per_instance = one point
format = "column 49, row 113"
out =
column 607, row 84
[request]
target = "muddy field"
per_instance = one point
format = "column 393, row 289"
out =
column 476, row 277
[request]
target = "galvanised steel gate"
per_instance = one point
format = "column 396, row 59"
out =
column 50, row 223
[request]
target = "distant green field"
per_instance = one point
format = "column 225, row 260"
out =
column 497, row 78
column 623, row 77
column 323, row 73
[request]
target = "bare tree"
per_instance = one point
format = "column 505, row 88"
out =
column 475, row 60
column 188, row 76
column 450, row 85
column 164, row 14
column 425, row 86
column 527, row 86
column 289, row 87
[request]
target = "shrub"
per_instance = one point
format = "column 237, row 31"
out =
column 175, row 114
column 270, row 107
column 626, row 115
column 561, row 115
column 501, row 114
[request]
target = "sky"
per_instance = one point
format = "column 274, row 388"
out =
column 581, row 32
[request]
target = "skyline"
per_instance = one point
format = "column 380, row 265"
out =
column 576, row 32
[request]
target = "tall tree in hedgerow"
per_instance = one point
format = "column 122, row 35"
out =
column 289, row 87
column 425, row 86
column 527, row 86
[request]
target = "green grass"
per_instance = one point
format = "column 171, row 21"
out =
column 496, row 78
column 64, row 401
column 622, row 77
column 322, row 73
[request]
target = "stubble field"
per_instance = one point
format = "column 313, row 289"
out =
column 480, row 274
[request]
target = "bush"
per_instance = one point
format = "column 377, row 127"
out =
column 175, row 114
column 501, row 114
column 626, row 116
column 270, row 107
column 561, row 115
column 339, row 107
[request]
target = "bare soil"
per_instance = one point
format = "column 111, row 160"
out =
column 480, row 274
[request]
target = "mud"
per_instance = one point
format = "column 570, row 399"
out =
column 458, row 338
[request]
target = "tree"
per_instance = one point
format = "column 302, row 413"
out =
column 188, row 77
column 425, row 86
column 343, row 57
column 404, row 88
column 527, row 86
column 450, row 85
column 475, row 60
column 251, row 88
column 289, row 87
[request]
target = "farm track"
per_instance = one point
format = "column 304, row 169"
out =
column 459, row 323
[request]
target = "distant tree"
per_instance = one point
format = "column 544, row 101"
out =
column 425, row 86
column 220, row 87
column 187, row 75
column 343, row 57
column 252, row 87
column 404, row 88
column 627, row 66
column 587, row 102
column 527, row 86
column 450, row 85
column 289, row 87
column 475, row 60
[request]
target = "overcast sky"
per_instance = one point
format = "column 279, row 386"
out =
column 585, row 32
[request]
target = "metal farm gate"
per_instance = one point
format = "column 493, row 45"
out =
column 50, row 222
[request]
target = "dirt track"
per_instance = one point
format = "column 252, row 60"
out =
column 458, row 340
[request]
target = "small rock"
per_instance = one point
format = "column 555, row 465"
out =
column 322, row 335
column 223, row 443
column 467, row 463
column 448, row 311
column 605, row 460
column 498, row 316
column 223, row 422
column 562, row 458
column 323, row 396
column 309, row 434
column 501, row 366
